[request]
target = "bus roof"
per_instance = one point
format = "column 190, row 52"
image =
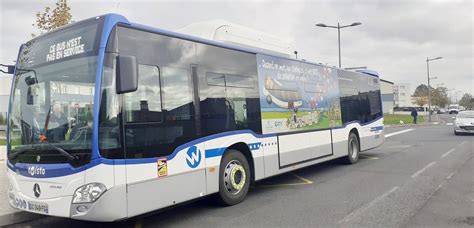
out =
column 369, row 72
column 120, row 19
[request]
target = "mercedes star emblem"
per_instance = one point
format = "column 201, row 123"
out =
column 38, row 158
column 37, row 190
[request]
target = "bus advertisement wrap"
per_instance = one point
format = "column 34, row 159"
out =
column 297, row 96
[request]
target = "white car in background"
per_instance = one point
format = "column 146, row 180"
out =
column 453, row 109
column 464, row 122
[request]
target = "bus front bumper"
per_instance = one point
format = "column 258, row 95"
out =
column 58, row 206
column 111, row 206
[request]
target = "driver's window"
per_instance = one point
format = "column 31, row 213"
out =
column 144, row 105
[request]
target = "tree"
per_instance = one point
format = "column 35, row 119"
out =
column 439, row 97
column 421, row 91
column 52, row 19
column 420, row 101
column 467, row 101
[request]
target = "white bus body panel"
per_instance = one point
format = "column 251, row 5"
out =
column 369, row 139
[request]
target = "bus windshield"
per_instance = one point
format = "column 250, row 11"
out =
column 52, row 98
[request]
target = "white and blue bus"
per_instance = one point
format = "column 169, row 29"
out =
column 110, row 119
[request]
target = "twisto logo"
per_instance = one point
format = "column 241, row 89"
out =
column 193, row 157
column 36, row 170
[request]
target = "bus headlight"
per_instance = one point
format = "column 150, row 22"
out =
column 88, row 193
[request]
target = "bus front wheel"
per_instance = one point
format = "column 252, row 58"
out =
column 353, row 149
column 234, row 178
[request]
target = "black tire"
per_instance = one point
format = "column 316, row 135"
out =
column 227, row 194
column 353, row 149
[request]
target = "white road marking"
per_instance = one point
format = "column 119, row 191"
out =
column 363, row 156
column 450, row 175
column 357, row 212
column 449, row 124
column 422, row 170
column 303, row 179
column 401, row 146
column 439, row 186
column 463, row 143
column 305, row 182
column 447, row 153
column 398, row 132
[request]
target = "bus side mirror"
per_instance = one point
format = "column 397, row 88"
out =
column 10, row 69
column 127, row 74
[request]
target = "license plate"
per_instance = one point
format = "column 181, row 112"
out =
column 29, row 205
column 38, row 207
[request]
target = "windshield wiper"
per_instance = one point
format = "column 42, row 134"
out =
column 70, row 156
column 63, row 152
column 15, row 155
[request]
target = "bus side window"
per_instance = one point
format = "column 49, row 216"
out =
column 228, row 90
column 144, row 105
column 159, row 121
column 141, row 109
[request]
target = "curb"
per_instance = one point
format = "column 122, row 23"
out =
column 414, row 125
column 18, row 217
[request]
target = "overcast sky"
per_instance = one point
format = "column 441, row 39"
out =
column 395, row 37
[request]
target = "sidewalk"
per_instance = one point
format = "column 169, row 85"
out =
column 8, row 215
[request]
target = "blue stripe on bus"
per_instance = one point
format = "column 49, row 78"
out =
column 358, row 122
column 378, row 128
column 63, row 169
column 216, row 152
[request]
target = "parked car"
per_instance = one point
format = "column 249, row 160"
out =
column 442, row 111
column 464, row 122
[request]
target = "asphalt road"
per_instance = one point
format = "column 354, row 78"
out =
column 420, row 178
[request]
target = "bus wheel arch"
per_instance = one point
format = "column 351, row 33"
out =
column 353, row 140
column 356, row 132
column 235, row 174
column 245, row 150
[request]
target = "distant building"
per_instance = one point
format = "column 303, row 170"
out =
column 402, row 95
column 388, row 96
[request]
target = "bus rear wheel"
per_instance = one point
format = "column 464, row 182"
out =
column 234, row 178
column 352, row 149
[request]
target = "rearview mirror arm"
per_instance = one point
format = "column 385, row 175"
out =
column 10, row 69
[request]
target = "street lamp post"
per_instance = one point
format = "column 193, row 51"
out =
column 339, row 27
column 457, row 95
column 429, row 89
column 450, row 95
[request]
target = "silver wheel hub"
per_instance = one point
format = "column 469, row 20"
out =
column 234, row 177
